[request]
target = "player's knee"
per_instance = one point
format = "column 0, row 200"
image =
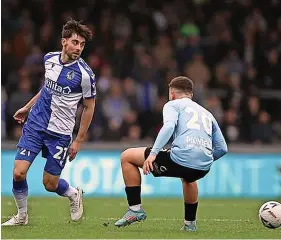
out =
column 125, row 156
column 19, row 175
column 50, row 186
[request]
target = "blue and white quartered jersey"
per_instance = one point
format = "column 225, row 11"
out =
column 197, row 138
column 65, row 85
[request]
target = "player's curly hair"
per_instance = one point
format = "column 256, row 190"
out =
column 77, row 27
column 183, row 84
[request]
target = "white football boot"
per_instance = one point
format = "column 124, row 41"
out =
column 76, row 205
column 16, row 221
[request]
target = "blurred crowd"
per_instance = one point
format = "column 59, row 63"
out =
column 230, row 49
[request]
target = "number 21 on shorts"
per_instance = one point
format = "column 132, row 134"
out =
column 61, row 154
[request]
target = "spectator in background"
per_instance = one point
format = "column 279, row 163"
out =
column 130, row 128
column 198, row 70
column 115, row 106
column 231, row 49
column 151, row 122
column 231, row 126
column 24, row 38
column 145, row 74
column 47, row 40
column 17, row 99
column 261, row 132
column 213, row 104
column 112, row 131
column 104, row 81
column 3, row 111
column 250, row 81
column 272, row 74
column 162, row 52
column 188, row 44
column 9, row 62
column 251, row 111
column 130, row 92
column 233, row 62
column 17, row 131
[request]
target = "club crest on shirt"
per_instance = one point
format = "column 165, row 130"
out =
column 70, row 75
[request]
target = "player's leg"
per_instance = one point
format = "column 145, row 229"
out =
column 53, row 183
column 24, row 159
column 28, row 147
column 190, row 195
column 131, row 160
column 20, row 192
column 55, row 150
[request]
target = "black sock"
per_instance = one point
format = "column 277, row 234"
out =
column 133, row 195
column 190, row 210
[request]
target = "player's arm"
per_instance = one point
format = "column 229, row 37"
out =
column 32, row 101
column 88, row 86
column 219, row 143
column 21, row 114
column 170, row 119
column 86, row 118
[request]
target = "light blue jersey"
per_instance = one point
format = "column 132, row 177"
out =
column 197, row 138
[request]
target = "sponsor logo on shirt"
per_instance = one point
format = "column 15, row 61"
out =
column 56, row 89
column 198, row 142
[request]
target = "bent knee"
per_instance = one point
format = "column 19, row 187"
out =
column 19, row 175
column 50, row 186
column 126, row 156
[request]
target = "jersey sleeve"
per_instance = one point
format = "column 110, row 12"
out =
column 170, row 119
column 170, row 113
column 219, row 143
column 88, row 85
column 49, row 55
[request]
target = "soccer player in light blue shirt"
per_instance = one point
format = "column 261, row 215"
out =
column 51, row 119
column 197, row 143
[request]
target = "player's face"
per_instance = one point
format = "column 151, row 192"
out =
column 73, row 46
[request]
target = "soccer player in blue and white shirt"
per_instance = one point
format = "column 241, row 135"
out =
column 197, row 143
column 51, row 118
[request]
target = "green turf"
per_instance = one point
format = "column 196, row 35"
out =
column 49, row 218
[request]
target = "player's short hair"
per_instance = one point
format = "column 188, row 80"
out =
column 183, row 84
column 72, row 27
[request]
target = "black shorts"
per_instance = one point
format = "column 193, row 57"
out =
column 164, row 166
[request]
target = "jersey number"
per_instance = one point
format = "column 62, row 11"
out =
column 59, row 153
column 24, row 152
column 193, row 122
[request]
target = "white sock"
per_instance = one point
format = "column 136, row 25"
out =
column 70, row 192
column 135, row 207
column 21, row 202
column 189, row 222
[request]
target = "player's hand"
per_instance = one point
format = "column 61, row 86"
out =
column 21, row 114
column 73, row 150
column 147, row 165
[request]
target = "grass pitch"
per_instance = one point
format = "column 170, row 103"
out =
column 49, row 218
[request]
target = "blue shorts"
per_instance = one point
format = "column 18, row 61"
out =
column 54, row 148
